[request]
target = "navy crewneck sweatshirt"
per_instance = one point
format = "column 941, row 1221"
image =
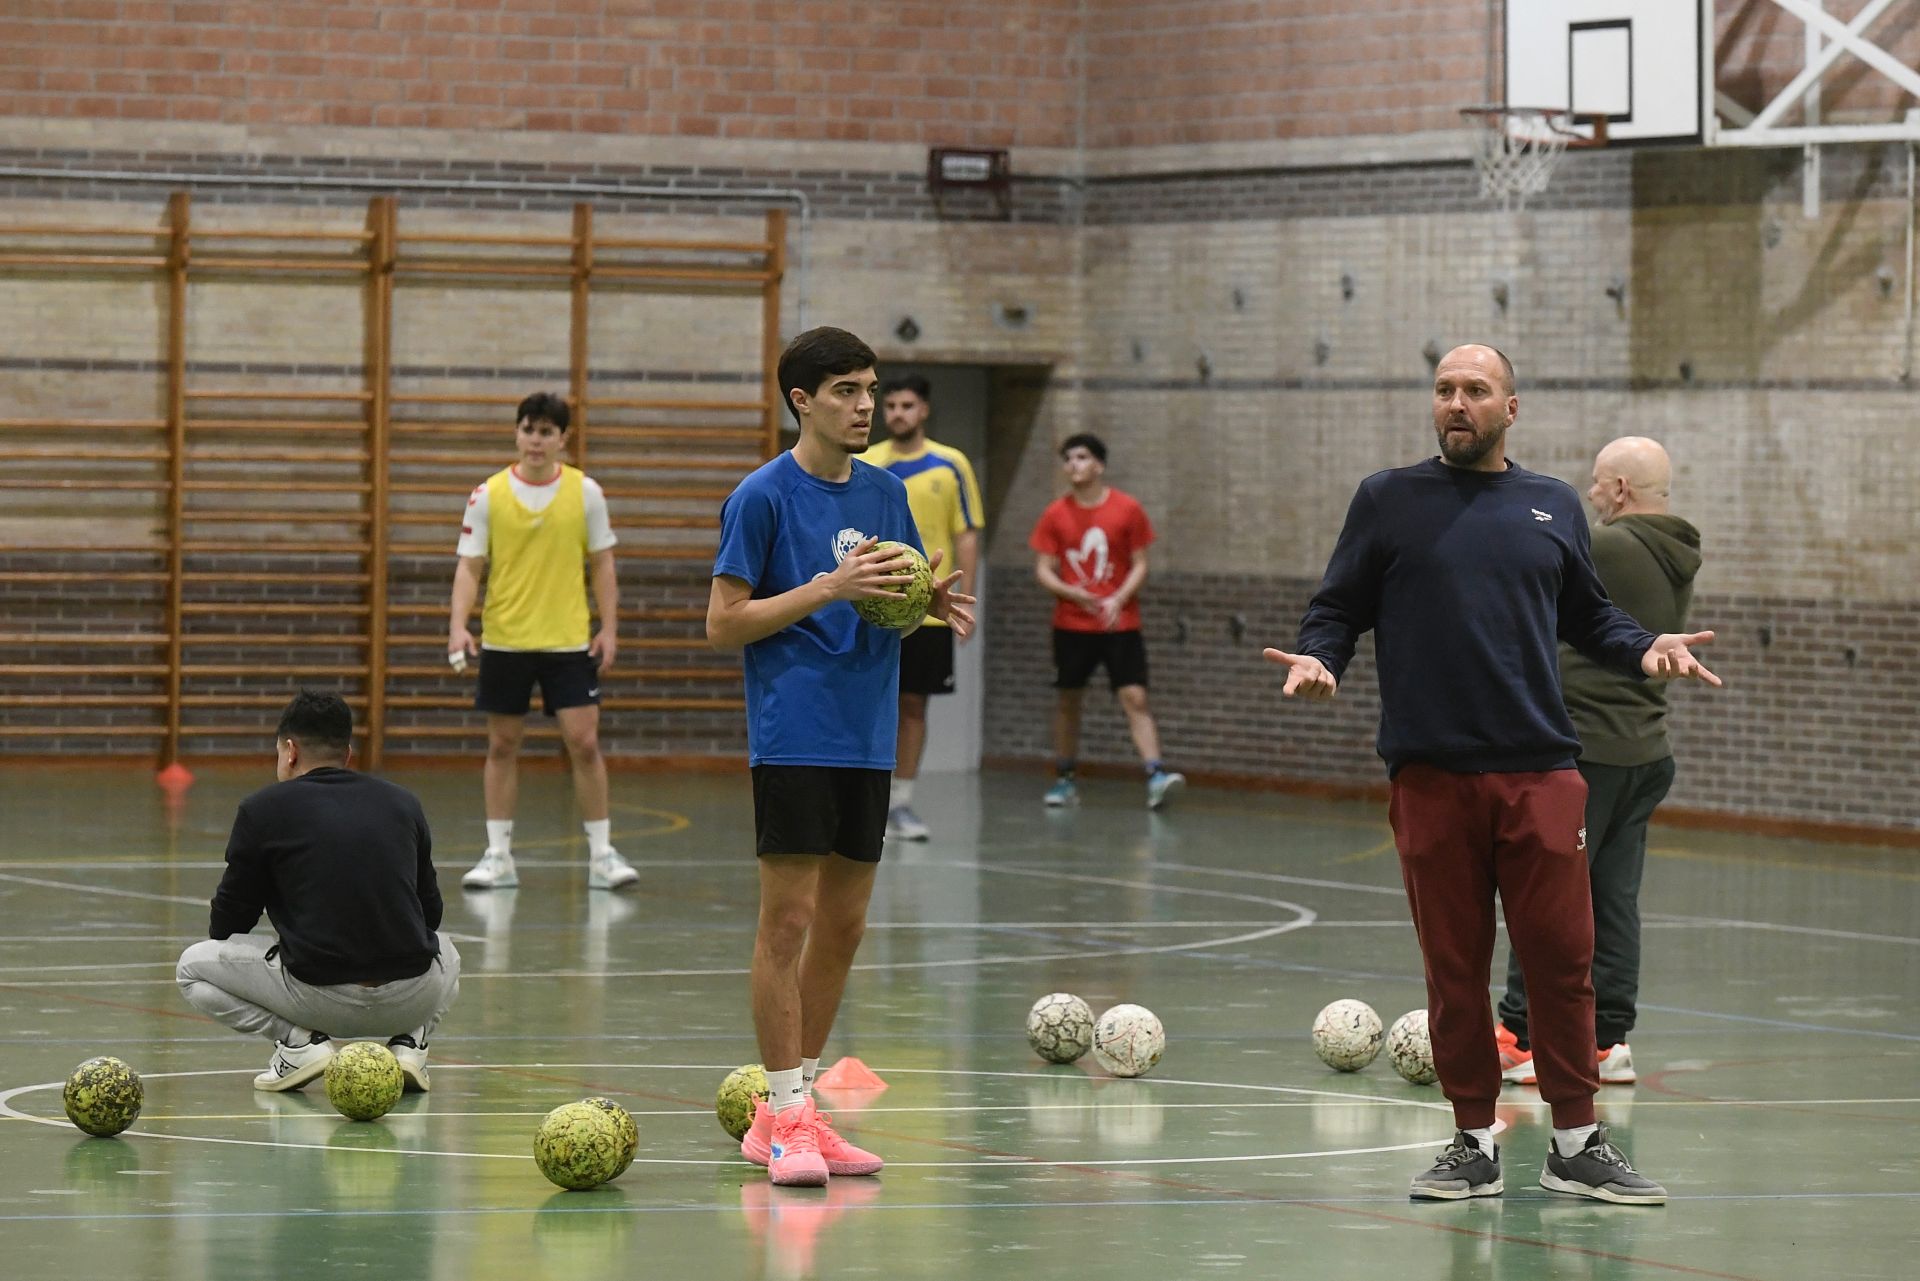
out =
column 342, row 864
column 1467, row 579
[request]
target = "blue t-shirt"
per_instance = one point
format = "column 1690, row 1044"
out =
column 824, row 690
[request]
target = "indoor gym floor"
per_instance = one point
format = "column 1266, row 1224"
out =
column 1779, row 1044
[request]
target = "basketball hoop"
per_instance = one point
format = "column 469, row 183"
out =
column 1516, row 148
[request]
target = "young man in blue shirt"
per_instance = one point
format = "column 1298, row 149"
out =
column 797, row 544
column 1468, row 570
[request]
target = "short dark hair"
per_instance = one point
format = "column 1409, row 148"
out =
column 544, row 407
column 817, row 355
column 318, row 722
column 907, row 382
column 1085, row 440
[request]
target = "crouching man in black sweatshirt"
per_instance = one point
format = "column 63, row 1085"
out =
column 342, row 864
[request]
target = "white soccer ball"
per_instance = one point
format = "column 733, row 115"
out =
column 1128, row 1040
column 1410, row 1049
column 1060, row 1027
column 1347, row 1035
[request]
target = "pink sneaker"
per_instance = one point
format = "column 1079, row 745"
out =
column 841, row 1156
column 757, row 1144
column 785, row 1142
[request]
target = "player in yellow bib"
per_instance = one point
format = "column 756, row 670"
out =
column 945, row 500
column 528, row 530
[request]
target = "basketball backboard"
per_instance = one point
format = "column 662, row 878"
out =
column 1636, row 62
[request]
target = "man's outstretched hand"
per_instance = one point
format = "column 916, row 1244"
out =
column 1307, row 676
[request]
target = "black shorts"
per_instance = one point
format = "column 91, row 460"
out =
column 820, row 809
column 926, row 661
column 507, row 678
column 1076, row 654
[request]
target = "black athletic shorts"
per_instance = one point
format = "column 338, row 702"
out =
column 1076, row 654
column 507, row 678
column 926, row 661
column 821, row 809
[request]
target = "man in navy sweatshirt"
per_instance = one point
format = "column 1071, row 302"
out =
column 342, row 864
column 1469, row 569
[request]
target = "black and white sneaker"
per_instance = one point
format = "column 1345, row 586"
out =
column 292, row 1066
column 412, row 1057
column 1462, row 1171
column 1599, row 1170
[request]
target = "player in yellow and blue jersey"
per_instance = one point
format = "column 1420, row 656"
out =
column 945, row 500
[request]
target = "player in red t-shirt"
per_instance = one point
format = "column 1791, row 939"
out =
column 1092, row 546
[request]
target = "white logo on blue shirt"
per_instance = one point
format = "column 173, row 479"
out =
column 1538, row 514
column 844, row 542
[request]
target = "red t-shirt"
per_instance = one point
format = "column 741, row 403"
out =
column 1093, row 548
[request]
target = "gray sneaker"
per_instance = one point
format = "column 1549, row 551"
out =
column 1462, row 1171
column 1599, row 1170
column 1162, row 786
column 903, row 824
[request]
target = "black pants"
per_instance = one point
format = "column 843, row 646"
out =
column 1620, row 800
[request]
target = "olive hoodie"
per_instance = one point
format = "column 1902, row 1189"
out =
column 1647, row 564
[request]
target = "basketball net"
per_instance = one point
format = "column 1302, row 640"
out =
column 1516, row 149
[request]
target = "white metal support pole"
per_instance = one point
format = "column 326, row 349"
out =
column 1810, row 154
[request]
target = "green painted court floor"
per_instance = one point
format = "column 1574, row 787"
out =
column 1779, row 1047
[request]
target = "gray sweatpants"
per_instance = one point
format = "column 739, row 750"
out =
column 235, row 982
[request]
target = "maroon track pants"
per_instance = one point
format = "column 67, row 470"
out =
column 1462, row 837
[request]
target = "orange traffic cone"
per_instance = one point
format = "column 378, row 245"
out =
column 849, row 1074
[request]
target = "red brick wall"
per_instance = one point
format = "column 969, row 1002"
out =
column 1170, row 71
column 990, row 72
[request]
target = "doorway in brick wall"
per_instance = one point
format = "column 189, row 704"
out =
column 962, row 400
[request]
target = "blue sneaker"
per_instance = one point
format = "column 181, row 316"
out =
column 1162, row 786
column 1063, row 792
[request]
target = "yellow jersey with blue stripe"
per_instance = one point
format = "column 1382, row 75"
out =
column 941, row 491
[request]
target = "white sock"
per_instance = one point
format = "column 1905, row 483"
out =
column 1483, row 1139
column 785, row 1090
column 500, row 835
column 809, row 1068
column 599, row 836
column 1569, row 1142
column 901, row 793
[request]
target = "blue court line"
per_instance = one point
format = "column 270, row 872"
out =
column 1247, row 1201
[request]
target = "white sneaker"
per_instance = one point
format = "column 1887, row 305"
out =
column 291, row 1067
column 905, row 825
column 1162, row 787
column 494, row 871
column 611, row 872
column 412, row 1057
column 1616, row 1066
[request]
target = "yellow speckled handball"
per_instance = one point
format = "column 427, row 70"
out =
column 364, row 1081
column 629, row 1132
column 103, row 1096
column 734, row 1104
column 579, row 1146
column 895, row 612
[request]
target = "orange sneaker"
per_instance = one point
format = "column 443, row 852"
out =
column 1516, row 1064
column 1616, row 1065
column 841, row 1156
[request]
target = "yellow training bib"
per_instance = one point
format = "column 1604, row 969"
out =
column 536, row 577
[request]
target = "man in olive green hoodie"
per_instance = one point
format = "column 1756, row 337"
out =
column 1647, row 559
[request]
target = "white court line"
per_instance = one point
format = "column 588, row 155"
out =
column 1817, row 931
column 1012, row 1161
column 104, row 889
column 1303, row 917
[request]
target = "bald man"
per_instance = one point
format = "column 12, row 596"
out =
column 1467, row 568
column 1646, row 558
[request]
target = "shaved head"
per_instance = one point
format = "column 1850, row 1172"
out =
column 1478, row 353
column 1631, row 475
